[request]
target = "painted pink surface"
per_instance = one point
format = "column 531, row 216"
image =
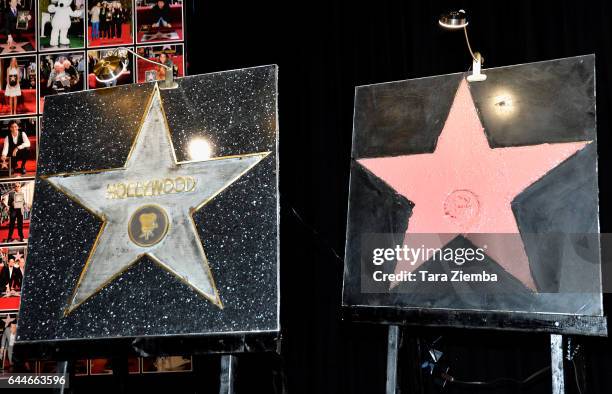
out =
column 466, row 187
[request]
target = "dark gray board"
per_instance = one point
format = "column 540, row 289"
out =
column 557, row 102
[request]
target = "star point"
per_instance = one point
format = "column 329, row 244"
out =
column 7, row 320
column 157, row 36
column 16, row 47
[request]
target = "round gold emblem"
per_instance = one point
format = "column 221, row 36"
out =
column 148, row 225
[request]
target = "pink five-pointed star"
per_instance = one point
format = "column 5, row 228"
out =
column 465, row 188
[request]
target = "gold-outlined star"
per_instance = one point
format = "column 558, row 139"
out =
column 180, row 250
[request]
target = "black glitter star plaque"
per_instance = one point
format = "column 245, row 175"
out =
column 156, row 214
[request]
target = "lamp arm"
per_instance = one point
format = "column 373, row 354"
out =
column 467, row 40
column 148, row 60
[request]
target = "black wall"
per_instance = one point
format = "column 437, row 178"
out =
column 324, row 48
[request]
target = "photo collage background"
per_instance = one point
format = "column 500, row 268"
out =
column 52, row 47
column 92, row 367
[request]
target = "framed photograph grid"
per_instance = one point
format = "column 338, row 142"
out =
column 52, row 47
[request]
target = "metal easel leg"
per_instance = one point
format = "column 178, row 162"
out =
column 62, row 368
column 392, row 358
column 228, row 374
column 120, row 374
column 556, row 364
